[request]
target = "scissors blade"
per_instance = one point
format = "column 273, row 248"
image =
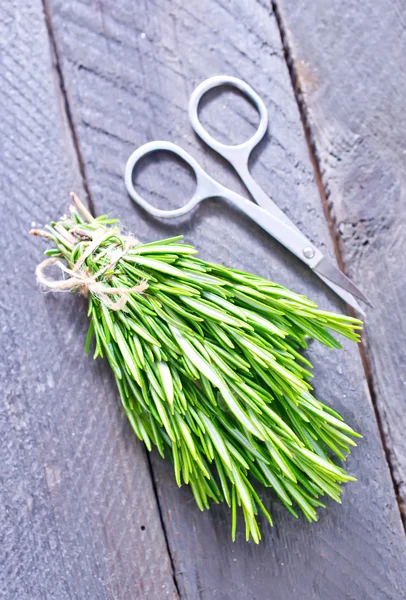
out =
column 346, row 296
column 328, row 270
column 300, row 246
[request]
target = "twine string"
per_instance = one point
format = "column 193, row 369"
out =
column 84, row 281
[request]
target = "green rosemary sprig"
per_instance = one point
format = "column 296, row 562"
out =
column 208, row 364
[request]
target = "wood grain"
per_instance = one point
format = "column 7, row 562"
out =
column 75, row 487
column 129, row 72
column 351, row 71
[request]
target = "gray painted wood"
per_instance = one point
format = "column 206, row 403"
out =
column 352, row 74
column 75, row 487
column 129, row 72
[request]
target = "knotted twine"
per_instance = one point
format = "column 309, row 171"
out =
column 84, row 281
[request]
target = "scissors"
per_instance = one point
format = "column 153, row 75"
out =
column 265, row 212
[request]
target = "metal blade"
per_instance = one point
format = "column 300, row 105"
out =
column 346, row 296
column 328, row 270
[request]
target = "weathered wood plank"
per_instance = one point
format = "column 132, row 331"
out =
column 129, row 74
column 75, row 488
column 351, row 71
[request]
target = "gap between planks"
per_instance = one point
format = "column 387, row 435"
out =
column 162, row 520
column 65, row 104
column 75, row 139
column 303, row 111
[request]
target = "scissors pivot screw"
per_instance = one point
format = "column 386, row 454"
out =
column 308, row 252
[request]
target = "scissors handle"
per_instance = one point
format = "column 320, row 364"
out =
column 238, row 155
column 205, row 186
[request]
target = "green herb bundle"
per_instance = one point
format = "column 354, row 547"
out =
column 208, row 365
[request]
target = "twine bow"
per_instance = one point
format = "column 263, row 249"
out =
column 84, row 281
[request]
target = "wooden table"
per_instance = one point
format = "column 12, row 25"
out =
column 85, row 513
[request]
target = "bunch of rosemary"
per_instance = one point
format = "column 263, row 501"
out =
column 207, row 362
